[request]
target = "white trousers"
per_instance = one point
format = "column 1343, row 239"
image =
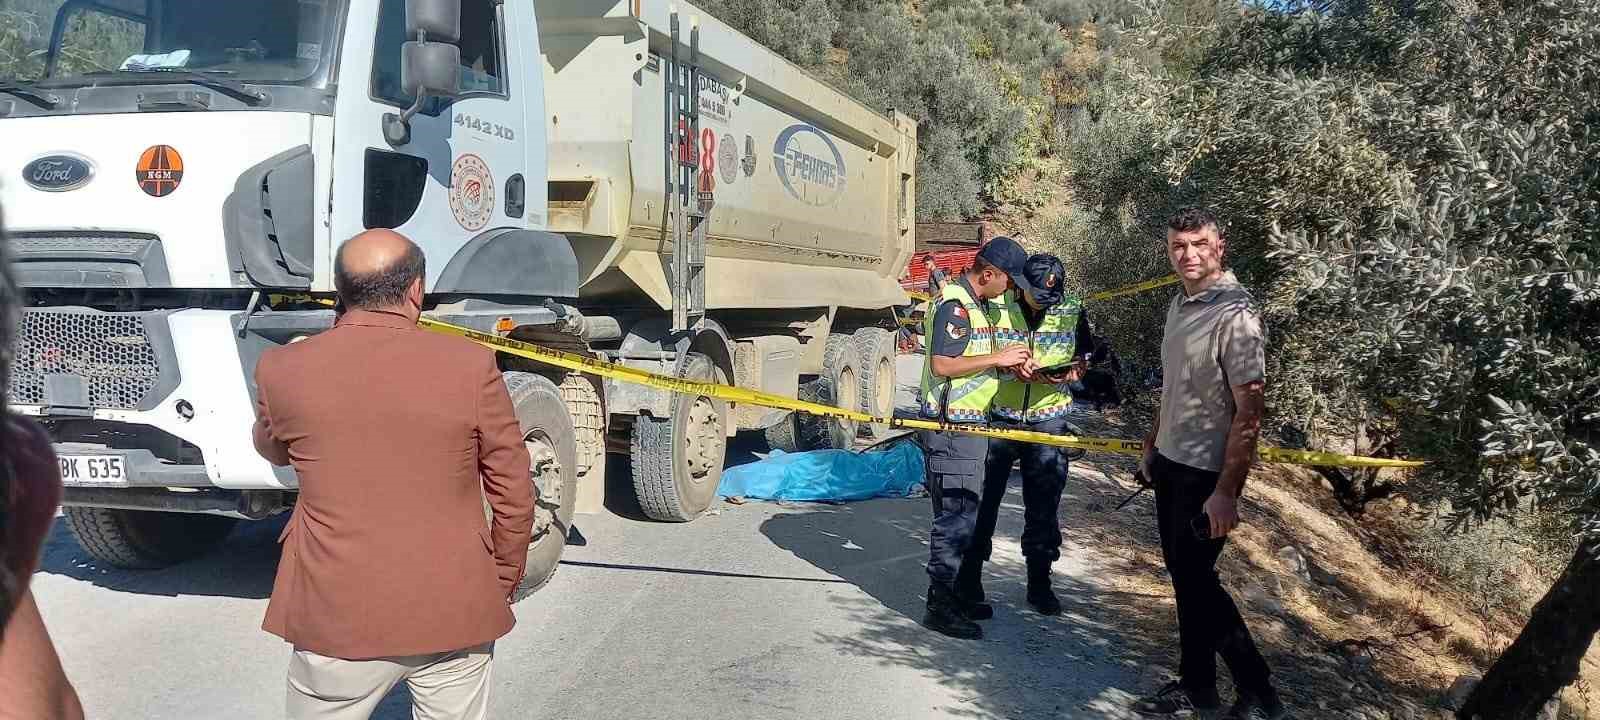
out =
column 444, row 686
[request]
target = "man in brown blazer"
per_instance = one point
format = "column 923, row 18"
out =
column 389, row 571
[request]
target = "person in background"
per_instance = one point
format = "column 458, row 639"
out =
column 398, row 435
column 959, row 380
column 33, row 685
column 1198, row 454
column 1053, row 327
column 936, row 277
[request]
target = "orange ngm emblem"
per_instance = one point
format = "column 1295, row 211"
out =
column 160, row 170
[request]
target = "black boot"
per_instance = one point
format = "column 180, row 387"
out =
column 969, row 590
column 1040, row 595
column 945, row 614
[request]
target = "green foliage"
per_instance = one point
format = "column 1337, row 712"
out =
column 800, row 30
column 981, row 77
column 90, row 41
column 1111, row 235
column 1489, row 561
column 947, row 182
column 1424, row 210
column 1413, row 188
column 24, row 36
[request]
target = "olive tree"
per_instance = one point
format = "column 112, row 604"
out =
column 1416, row 187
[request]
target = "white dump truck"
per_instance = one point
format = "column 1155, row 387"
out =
column 628, row 179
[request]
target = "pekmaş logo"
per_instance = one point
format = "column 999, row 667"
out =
column 810, row 165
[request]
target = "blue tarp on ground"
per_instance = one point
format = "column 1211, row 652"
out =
column 894, row 471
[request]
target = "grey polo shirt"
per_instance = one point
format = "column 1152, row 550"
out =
column 1213, row 341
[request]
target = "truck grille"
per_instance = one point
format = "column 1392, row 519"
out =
column 112, row 353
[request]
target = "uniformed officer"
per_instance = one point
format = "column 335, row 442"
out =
column 1052, row 325
column 959, row 380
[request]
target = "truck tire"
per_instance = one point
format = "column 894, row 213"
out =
column 677, row 461
column 786, row 435
column 586, row 407
column 548, row 434
column 145, row 539
column 876, row 348
column 839, row 386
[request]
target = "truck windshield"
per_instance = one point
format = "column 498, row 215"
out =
column 63, row 43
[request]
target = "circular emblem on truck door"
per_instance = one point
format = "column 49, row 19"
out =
column 160, row 170
column 471, row 192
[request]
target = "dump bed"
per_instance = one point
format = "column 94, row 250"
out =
column 813, row 192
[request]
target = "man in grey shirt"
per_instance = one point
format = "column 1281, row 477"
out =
column 1198, row 453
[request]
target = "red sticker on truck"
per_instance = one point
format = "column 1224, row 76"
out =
column 708, row 160
column 160, row 170
column 471, row 192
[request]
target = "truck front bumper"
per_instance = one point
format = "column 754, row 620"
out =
column 169, row 393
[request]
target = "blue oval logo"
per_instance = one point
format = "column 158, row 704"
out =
column 809, row 164
column 58, row 173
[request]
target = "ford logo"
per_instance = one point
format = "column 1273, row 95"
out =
column 58, row 173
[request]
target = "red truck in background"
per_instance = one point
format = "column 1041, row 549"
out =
column 951, row 246
column 950, row 261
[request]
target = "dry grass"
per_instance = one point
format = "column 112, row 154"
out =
column 1373, row 634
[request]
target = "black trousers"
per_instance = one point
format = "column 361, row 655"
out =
column 1044, row 475
column 1209, row 623
column 955, row 478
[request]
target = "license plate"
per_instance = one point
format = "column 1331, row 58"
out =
column 94, row 470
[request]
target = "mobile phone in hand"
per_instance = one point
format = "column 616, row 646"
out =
column 1201, row 525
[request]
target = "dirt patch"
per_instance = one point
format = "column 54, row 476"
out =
column 1351, row 625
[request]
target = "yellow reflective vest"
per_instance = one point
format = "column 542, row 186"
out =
column 1052, row 344
column 963, row 399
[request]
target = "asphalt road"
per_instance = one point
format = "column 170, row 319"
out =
column 755, row 611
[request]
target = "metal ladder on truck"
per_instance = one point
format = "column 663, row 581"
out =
column 689, row 194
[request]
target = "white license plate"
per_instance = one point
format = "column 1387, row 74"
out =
column 94, row 470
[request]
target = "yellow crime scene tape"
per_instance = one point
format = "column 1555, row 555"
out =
column 1093, row 297
column 730, row 393
column 1133, row 289
column 1103, row 295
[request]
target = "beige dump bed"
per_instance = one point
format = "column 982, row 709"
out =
column 813, row 191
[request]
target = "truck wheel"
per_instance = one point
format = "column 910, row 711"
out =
column 786, row 435
column 876, row 348
column 677, row 461
column 549, row 437
column 145, row 539
column 838, row 385
column 586, row 407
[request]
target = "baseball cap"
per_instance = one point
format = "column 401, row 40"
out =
column 1046, row 273
column 1008, row 257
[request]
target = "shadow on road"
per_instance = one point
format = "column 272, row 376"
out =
column 693, row 571
column 242, row 566
column 1082, row 664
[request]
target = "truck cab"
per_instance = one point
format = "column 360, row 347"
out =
column 631, row 180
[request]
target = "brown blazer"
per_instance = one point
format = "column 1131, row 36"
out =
column 397, row 435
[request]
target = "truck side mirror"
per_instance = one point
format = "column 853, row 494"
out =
column 430, row 65
column 437, row 20
column 430, row 69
